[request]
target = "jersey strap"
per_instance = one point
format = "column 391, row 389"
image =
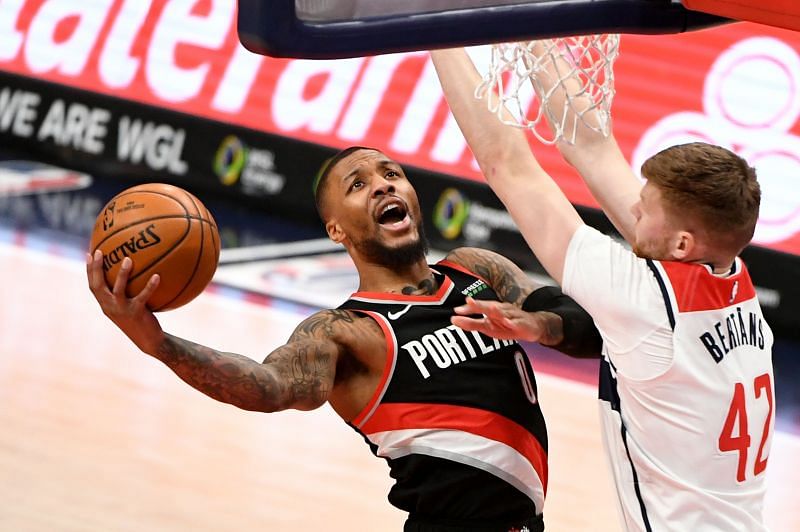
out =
column 388, row 367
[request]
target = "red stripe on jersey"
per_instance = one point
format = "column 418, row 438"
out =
column 450, row 264
column 391, row 350
column 399, row 416
column 697, row 289
column 402, row 298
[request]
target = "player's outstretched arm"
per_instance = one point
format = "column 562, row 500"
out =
column 297, row 375
column 597, row 158
column 527, row 310
column 541, row 211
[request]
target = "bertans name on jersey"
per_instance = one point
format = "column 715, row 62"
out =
column 738, row 329
column 449, row 346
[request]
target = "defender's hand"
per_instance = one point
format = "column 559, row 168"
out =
column 131, row 315
column 503, row 321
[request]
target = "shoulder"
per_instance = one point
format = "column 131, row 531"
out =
column 593, row 252
column 587, row 235
column 608, row 279
column 462, row 256
column 475, row 259
column 338, row 325
column 508, row 281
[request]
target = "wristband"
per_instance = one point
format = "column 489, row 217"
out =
column 581, row 339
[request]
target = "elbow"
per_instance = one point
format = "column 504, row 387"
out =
column 253, row 400
column 503, row 148
column 261, row 407
column 499, row 163
column 250, row 405
column 268, row 406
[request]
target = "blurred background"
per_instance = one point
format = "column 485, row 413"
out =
column 99, row 95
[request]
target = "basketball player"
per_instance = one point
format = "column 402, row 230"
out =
column 455, row 414
column 686, row 387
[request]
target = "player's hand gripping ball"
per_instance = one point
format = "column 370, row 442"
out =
column 165, row 230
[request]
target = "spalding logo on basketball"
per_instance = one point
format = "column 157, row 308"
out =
column 165, row 230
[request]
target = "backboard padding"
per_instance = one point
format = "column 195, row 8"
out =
column 273, row 28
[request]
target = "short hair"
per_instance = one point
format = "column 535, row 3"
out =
column 710, row 185
column 321, row 182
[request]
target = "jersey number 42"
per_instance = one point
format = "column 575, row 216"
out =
column 735, row 434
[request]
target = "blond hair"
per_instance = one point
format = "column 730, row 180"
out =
column 710, row 186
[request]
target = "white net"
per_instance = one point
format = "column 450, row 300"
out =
column 573, row 79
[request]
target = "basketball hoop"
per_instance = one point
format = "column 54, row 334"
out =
column 578, row 69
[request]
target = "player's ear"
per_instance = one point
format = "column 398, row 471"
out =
column 335, row 231
column 685, row 243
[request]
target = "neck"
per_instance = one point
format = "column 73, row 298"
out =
column 722, row 268
column 720, row 261
column 416, row 279
column 719, row 265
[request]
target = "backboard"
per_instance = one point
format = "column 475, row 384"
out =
column 332, row 29
column 779, row 13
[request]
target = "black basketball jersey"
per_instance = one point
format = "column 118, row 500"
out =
column 456, row 413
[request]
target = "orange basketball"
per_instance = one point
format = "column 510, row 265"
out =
column 165, row 230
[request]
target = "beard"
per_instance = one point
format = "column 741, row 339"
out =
column 653, row 250
column 398, row 257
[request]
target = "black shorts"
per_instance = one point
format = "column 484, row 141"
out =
column 531, row 524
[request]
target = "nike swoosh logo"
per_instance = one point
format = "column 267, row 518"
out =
column 395, row 315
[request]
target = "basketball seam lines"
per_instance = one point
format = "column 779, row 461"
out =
column 187, row 216
column 143, row 220
column 197, row 259
column 174, row 245
column 122, row 194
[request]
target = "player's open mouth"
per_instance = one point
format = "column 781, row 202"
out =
column 393, row 215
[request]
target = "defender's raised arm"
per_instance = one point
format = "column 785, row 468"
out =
column 584, row 143
column 543, row 214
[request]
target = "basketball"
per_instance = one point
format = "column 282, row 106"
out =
column 165, row 230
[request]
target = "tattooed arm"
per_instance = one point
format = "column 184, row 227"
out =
column 509, row 282
column 527, row 310
column 298, row 375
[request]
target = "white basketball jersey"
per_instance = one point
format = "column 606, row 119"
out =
column 686, row 390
